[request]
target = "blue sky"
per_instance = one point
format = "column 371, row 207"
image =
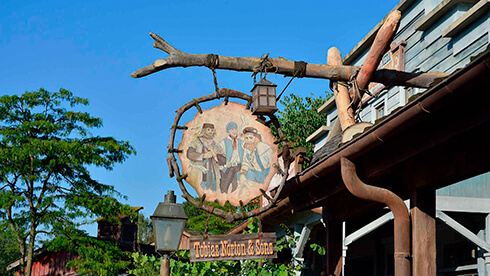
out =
column 91, row 47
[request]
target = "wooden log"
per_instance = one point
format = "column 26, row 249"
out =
column 423, row 214
column 334, row 247
column 281, row 66
column 342, row 98
column 382, row 41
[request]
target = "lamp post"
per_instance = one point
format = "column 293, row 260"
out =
column 168, row 224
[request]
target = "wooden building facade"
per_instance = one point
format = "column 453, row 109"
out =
column 443, row 179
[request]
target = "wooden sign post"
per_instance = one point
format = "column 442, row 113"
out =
column 233, row 247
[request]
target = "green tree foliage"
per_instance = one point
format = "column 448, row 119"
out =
column 197, row 219
column 299, row 118
column 145, row 230
column 9, row 248
column 145, row 265
column 45, row 154
column 94, row 256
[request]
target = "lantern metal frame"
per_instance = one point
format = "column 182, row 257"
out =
column 264, row 90
column 174, row 169
column 168, row 211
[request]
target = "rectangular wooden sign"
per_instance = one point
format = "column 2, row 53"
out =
column 233, row 247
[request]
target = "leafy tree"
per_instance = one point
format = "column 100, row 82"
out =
column 9, row 248
column 45, row 155
column 93, row 256
column 197, row 219
column 299, row 119
column 145, row 230
column 145, row 265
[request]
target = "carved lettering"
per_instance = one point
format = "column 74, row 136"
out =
column 232, row 248
column 250, row 248
column 196, row 247
column 223, row 248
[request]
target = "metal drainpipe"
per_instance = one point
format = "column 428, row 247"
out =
column 396, row 205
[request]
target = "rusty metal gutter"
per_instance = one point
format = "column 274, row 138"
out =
column 434, row 99
column 396, row 205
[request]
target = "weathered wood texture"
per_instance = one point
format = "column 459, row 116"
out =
column 342, row 98
column 334, row 244
column 423, row 211
column 165, row 267
column 233, row 247
column 281, row 66
column 381, row 43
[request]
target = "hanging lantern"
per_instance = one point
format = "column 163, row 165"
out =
column 264, row 98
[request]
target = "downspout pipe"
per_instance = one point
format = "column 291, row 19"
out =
column 396, row 205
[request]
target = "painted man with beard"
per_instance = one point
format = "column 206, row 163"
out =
column 206, row 158
column 232, row 146
column 256, row 157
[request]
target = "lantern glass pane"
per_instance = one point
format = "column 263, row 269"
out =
column 263, row 101
column 272, row 91
column 272, row 101
column 263, row 91
column 168, row 233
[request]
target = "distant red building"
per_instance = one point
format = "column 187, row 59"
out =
column 50, row 263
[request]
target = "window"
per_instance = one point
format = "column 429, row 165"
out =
column 380, row 111
column 332, row 121
column 409, row 92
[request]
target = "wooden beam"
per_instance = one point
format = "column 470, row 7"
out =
column 463, row 231
column 368, row 228
column 280, row 66
column 487, row 238
column 342, row 98
column 334, row 248
column 463, row 204
column 303, row 238
column 422, row 210
column 381, row 43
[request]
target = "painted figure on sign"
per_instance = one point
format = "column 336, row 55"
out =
column 232, row 146
column 256, row 158
column 206, row 157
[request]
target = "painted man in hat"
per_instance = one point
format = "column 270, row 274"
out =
column 206, row 158
column 256, row 158
column 233, row 148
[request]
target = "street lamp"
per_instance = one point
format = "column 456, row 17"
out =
column 168, row 224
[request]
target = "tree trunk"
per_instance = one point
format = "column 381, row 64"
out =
column 342, row 98
column 30, row 249
column 381, row 42
column 281, row 66
column 20, row 240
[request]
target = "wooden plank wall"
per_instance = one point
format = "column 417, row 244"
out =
column 428, row 50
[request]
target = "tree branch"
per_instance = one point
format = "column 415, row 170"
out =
column 44, row 232
column 18, row 236
column 282, row 66
column 43, row 190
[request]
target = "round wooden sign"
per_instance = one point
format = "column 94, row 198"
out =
column 227, row 154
